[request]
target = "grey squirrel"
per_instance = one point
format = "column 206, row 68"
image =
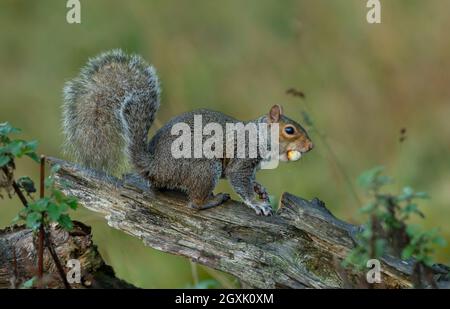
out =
column 108, row 110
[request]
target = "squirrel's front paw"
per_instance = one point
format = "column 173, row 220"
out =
column 264, row 209
column 262, row 193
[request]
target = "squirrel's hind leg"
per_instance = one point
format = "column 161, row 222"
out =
column 213, row 201
column 201, row 184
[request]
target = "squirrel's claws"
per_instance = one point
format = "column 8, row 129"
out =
column 262, row 209
column 226, row 197
column 268, row 212
column 266, row 209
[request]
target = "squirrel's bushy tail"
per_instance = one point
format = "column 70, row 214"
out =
column 110, row 108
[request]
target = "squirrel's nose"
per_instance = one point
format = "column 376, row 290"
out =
column 310, row 146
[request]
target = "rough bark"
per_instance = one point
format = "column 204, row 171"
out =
column 299, row 247
column 18, row 258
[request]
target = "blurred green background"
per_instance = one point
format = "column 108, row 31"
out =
column 362, row 82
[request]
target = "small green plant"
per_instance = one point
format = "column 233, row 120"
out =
column 39, row 213
column 387, row 230
column 29, row 283
column 10, row 149
column 52, row 208
column 14, row 148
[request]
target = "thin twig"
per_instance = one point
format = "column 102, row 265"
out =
column 44, row 239
column 333, row 155
column 42, row 177
column 59, row 267
column 48, row 242
column 41, row 227
column 194, row 272
column 221, row 278
column 15, row 269
column 16, row 188
column 40, row 253
column 341, row 168
column 372, row 244
column 20, row 194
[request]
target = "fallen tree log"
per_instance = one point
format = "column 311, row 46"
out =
column 18, row 258
column 299, row 247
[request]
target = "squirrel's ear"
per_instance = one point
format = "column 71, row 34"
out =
column 275, row 113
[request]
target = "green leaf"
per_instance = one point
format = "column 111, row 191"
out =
column 384, row 180
column 33, row 220
column 408, row 251
column 368, row 207
column 4, row 160
column 6, row 128
column 379, row 247
column 58, row 195
column 407, row 194
column 65, row 221
column 30, row 147
column 72, row 202
column 40, row 205
column 64, row 207
column 410, row 208
column 412, row 230
column 4, row 141
column 16, row 148
column 357, row 258
column 29, row 283
column 413, row 208
column 367, row 232
column 368, row 179
column 427, row 260
column 54, row 212
column 34, row 156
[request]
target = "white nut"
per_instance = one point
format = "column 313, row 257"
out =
column 294, row 155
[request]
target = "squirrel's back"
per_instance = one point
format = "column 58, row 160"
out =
column 110, row 88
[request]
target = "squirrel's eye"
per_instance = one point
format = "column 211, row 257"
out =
column 289, row 130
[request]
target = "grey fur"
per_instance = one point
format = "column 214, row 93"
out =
column 93, row 125
column 109, row 109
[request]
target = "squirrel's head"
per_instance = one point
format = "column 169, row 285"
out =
column 293, row 138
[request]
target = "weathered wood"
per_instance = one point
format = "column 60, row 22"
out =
column 299, row 247
column 18, row 258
